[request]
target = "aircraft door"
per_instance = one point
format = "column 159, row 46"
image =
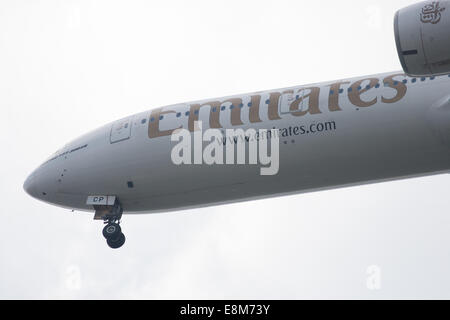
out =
column 287, row 99
column 121, row 130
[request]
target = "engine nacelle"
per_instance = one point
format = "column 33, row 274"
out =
column 422, row 35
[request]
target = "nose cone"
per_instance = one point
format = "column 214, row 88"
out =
column 38, row 185
column 30, row 185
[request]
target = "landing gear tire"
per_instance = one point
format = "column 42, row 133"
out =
column 112, row 231
column 117, row 242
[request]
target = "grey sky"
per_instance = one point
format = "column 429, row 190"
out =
column 67, row 67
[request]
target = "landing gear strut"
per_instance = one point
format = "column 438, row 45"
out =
column 111, row 216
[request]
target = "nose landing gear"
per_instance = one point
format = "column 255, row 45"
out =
column 112, row 230
column 111, row 215
column 113, row 235
column 117, row 241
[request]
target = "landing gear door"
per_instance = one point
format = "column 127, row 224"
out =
column 121, row 130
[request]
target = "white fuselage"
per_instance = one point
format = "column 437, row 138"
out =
column 334, row 134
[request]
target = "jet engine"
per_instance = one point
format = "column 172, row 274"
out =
column 422, row 35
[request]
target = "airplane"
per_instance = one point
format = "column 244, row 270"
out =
column 328, row 135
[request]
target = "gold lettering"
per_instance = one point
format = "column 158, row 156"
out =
column 236, row 111
column 399, row 86
column 355, row 94
column 313, row 102
column 214, row 116
column 254, row 109
column 153, row 127
column 274, row 97
column 333, row 99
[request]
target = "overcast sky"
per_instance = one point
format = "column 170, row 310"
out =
column 67, row 67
